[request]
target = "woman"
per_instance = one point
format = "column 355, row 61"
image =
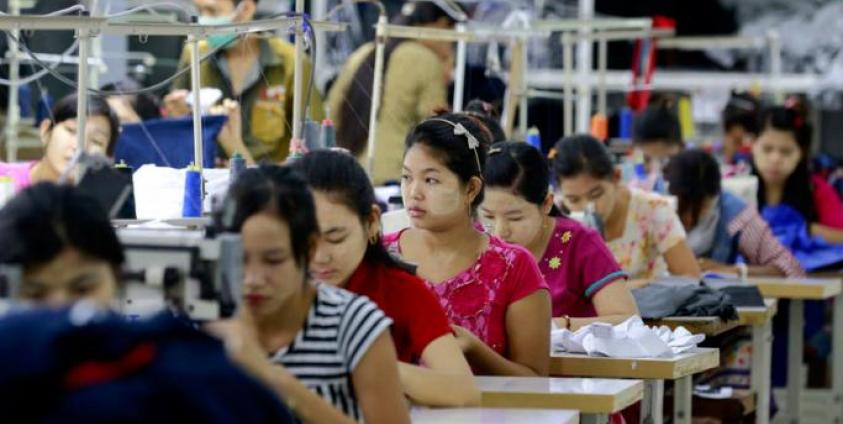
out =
column 658, row 135
column 740, row 127
column 492, row 292
column 415, row 84
column 58, row 135
column 720, row 225
column 580, row 271
column 641, row 229
column 350, row 255
column 329, row 351
column 780, row 158
column 64, row 244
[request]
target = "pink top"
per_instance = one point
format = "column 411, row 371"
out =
column 828, row 204
column 19, row 171
column 576, row 265
column 477, row 299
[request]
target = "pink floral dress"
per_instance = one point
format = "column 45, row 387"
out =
column 477, row 298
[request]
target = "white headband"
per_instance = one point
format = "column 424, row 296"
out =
column 473, row 143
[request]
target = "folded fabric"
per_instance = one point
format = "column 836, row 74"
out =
column 167, row 142
column 680, row 298
column 812, row 252
column 629, row 339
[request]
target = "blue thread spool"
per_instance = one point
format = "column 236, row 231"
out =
column 236, row 166
column 312, row 135
column 625, row 124
column 192, row 207
column 534, row 138
column 329, row 134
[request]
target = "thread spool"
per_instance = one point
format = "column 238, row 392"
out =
column 534, row 138
column 127, row 211
column 236, row 166
column 312, row 135
column 600, row 127
column 686, row 119
column 329, row 134
column 192, row 206
column 625, row 123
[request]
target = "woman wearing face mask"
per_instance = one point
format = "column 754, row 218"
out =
column 64, row 244
column 780, row 160
column 658, row 135
column 350, row 255
column 58, row 135
column 641, row 229
column 580, row 271
column 720, row 225
column 330, row 352
column 415, row 84
column 492, row 292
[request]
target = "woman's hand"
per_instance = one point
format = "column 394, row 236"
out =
column 239, row 336
column 466, row 340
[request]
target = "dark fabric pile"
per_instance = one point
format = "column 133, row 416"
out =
column 660, row 300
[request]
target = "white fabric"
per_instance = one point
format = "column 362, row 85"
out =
column 629, row 339
column 159, row 191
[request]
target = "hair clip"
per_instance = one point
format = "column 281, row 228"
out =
column 495, row 150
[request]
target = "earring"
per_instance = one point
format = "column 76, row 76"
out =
column 373, row 239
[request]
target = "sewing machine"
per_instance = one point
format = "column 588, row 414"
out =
column 184, row 270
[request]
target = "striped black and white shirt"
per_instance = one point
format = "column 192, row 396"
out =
column 339, row 330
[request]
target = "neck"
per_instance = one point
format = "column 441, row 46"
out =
column 285, row 323
column 454, row 238
column 245, row 48
column 539, row 245
column 773, row 193
column 42, row 171
column 616, row 221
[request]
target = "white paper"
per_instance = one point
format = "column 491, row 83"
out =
column 629, row 339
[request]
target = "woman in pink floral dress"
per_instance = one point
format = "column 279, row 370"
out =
column 492, row 292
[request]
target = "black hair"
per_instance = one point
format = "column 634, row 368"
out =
column 353, row 115
column 488, row 116
column 692, row 175
column 452, row 149
column 798, row 189
column 145, row 105
column 522, row 169
column 741, row 111
column 279, row 190
column 658, row 123
column 340, row 175
column 66, row 109
column 582, row 154
column 45, row 219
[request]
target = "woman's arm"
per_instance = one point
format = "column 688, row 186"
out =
column 444, row 381
column 681, row 261
column 377, row 385
column 528, row 334
column 831, row 235
column 614, row 304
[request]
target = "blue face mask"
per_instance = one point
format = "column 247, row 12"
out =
column 218, row 40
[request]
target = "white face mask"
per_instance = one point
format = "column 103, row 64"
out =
column 701, row 237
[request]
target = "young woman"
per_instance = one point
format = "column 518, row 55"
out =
column 720, row 225
column 415, row 84
column 780, row 160
column 331, row 354
column 58, row 135
column 580, row 271
column 641, row 229
column 492, row 292
column 64, row 244
column 351, row 255
column 740, row 127
column 658, row 134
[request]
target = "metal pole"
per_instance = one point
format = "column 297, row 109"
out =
column 195, row 86
column 320, row 9
column 603, row 52
column 298, row 78
column 96, row 50
column 13, row 110
column 775, row 65
column 522, row 92
column 586, row 13
column 568, row 89
column 377, row 87
column 82, row 81
column 459, row 72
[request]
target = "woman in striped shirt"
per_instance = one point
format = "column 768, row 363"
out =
column 721, row 227
column 331, row 354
